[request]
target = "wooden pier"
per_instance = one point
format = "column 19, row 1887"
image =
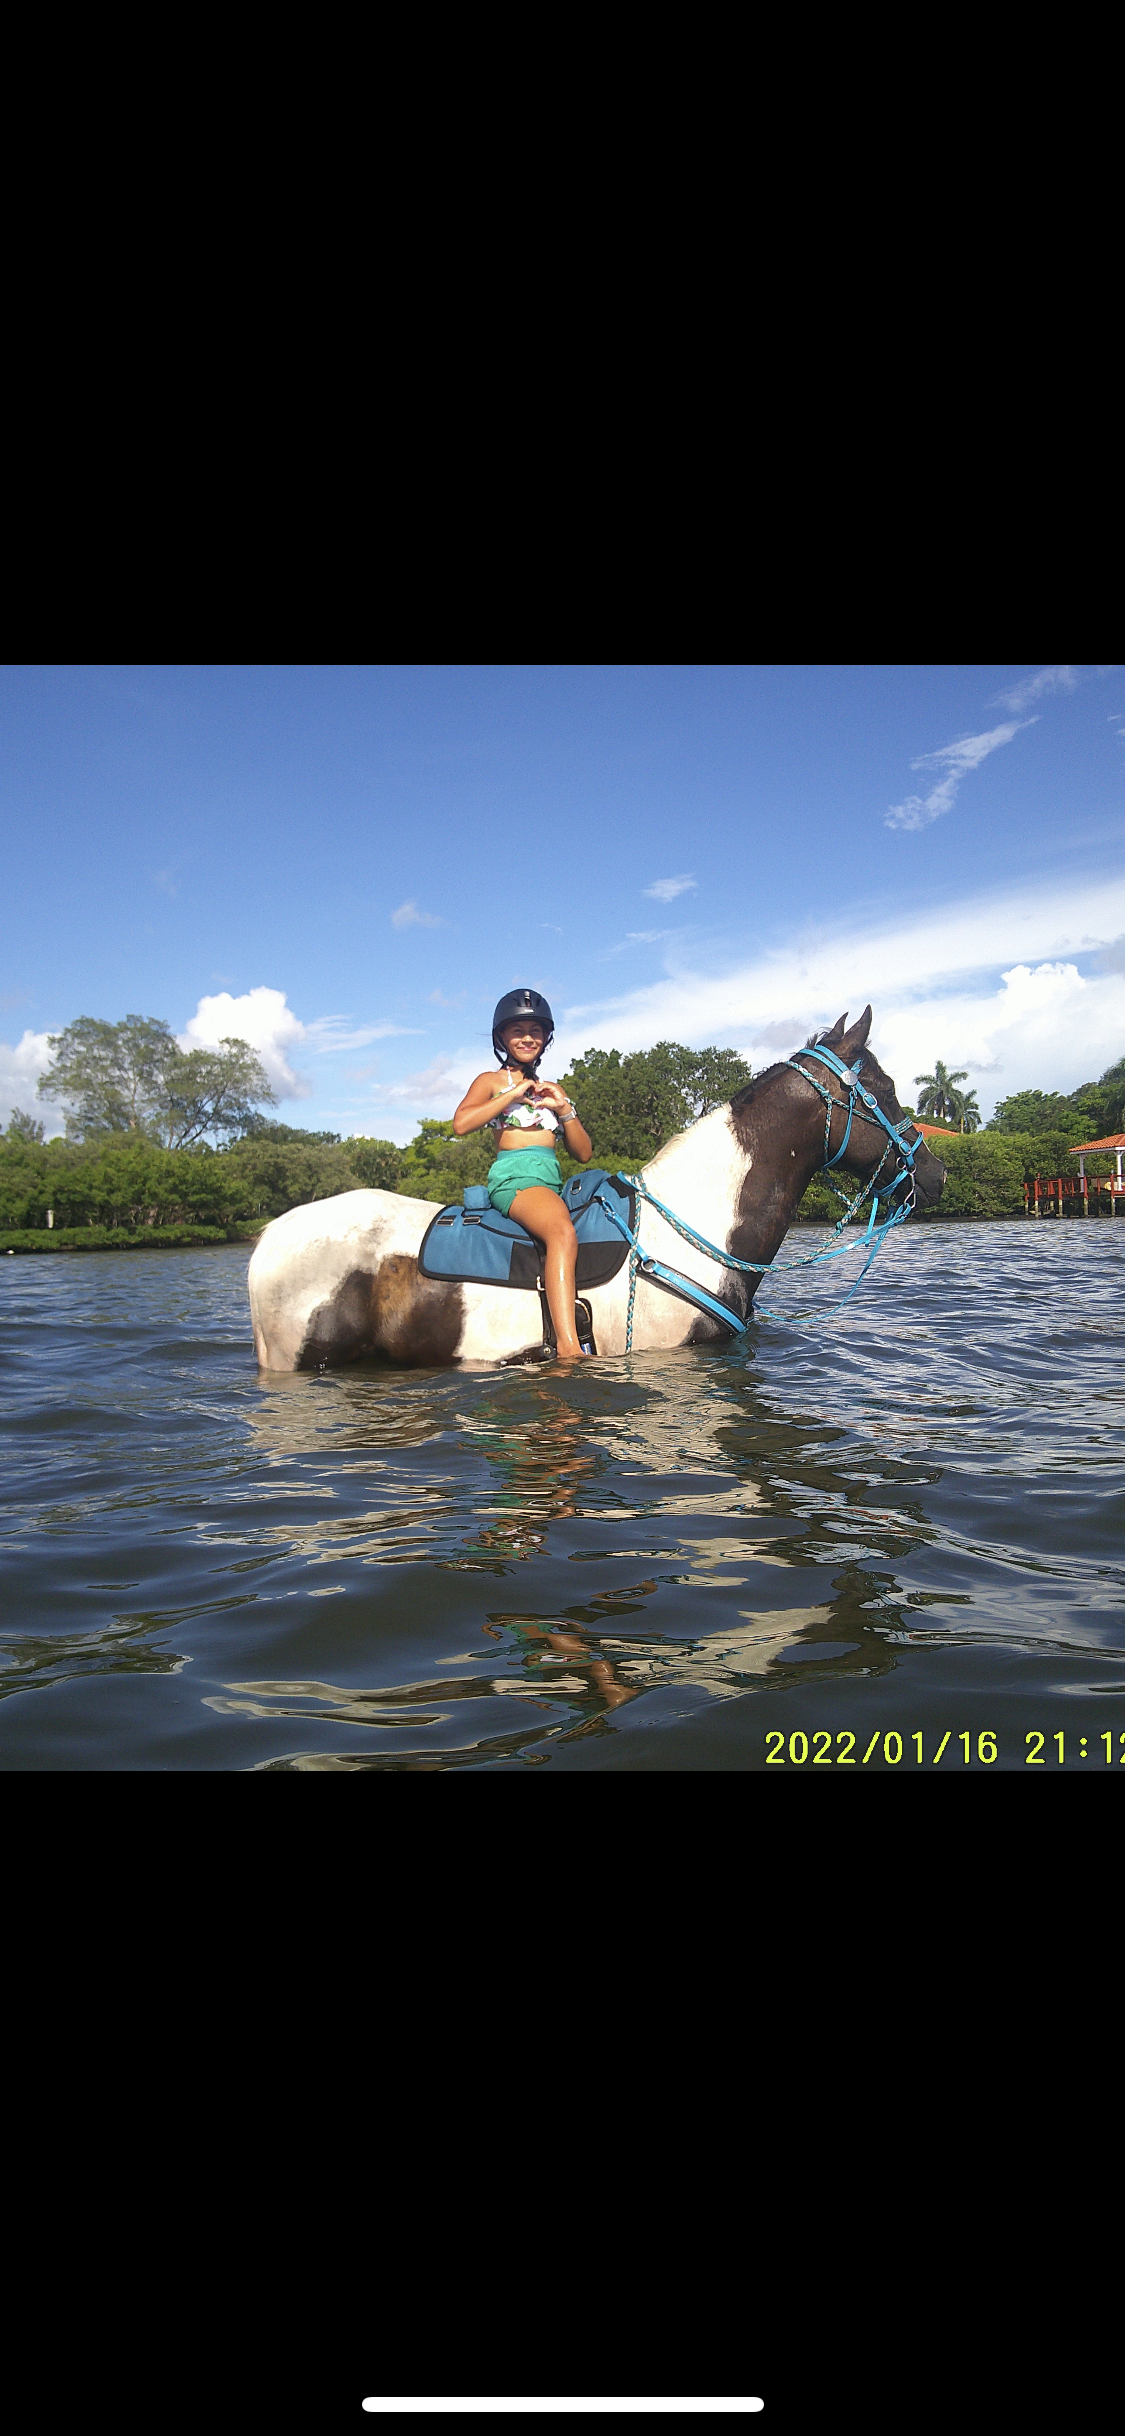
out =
column 1071, row 1196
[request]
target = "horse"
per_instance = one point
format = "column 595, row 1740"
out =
column 338, row 1281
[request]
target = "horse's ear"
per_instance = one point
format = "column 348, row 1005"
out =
column 832, row 1039
column 851, row 1044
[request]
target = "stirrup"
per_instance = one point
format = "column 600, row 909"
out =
column 583, row 1323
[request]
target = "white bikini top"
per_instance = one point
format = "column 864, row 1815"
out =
column 524, row 1117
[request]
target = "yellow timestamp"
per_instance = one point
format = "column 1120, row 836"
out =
column 891, row 1749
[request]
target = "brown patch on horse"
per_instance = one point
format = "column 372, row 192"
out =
column 342, row 1328
column 391, row 1313
column 417, row 1319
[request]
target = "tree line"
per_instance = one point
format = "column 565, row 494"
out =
column 155, row 1138
column 1088, row 1114
column 158, row 1138
column 133, row 1078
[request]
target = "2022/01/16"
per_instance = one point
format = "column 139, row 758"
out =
column 801, row 1749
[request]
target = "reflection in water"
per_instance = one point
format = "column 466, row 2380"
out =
column 542, row 1463
column 540, row 1460
column 125, row 1646
column 439, row 1570
column 568, row 1665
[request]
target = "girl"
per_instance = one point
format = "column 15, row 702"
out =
column 525, row 1180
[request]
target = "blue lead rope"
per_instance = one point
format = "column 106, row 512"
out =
column 875, row 1234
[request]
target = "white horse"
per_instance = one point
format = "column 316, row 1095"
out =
column 338, row 1281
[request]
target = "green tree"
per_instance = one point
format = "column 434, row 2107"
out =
column 1032, row 1112
column 969, row 1112
column 213, row 1091
column 209, row 1189
column 128, row 1180
column 1085, row 1115
column 632, row 1105
column 278, row 1176
column 378, row 1164
column 985, row 1173
column 109, row 1077
column 22, row 1128
column 1089, row 1121
column 22, row 1165
column 125, row 1187
column 437, row 1165
column 261, row 1129
column 132, row 1077
column 939, row 1097
column 1111, row 1094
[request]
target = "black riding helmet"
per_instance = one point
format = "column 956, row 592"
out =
column 522, row 1002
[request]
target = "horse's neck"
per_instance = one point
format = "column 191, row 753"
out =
column 700, row 1175
column 740, row 1184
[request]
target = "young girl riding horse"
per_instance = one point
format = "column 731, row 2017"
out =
column 526, row 1116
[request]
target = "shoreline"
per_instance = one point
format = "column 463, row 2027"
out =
column 31, row 1240
column 121, row 1239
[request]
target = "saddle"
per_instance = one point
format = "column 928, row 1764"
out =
column 471, row 1244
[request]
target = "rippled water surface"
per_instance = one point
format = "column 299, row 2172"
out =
column 909, row 1523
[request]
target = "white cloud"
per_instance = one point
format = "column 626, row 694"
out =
column 263, row 1018
column 638, row 938
column 385, row 1125
column 330, row 1032
column 407, row 915
column 1046, row 1024
column 445, row 1079
column 957, row 759
column 1062, row 679
column 991, row 983
column 20, row 1069
column 665, row 890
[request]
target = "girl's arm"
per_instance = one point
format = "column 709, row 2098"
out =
column 552, row 1095
column 481, row 1102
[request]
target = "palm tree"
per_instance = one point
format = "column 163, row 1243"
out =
column 939, row 1096
column 968, row 1111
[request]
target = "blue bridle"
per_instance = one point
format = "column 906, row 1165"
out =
column 875, row 1234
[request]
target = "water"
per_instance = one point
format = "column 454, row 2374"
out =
column 909, row 1523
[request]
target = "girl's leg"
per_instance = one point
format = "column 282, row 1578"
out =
column 544, row 1215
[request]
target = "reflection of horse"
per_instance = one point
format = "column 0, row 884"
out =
column 338, row 1281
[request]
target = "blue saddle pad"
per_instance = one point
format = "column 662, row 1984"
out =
column 473, row 1245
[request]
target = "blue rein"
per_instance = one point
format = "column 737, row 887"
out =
column 875, row 1234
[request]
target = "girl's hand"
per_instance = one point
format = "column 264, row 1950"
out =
column 548, row 1095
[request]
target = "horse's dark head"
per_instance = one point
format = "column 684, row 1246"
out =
column 868, row 1141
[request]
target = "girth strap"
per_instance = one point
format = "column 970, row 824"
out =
column 687, row 1286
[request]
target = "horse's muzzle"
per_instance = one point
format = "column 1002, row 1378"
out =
column 929, row 1179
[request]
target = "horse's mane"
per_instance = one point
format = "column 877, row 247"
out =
column 750, row 1091
column 872, row 1073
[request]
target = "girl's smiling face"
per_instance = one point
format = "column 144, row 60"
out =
column 523, row 1040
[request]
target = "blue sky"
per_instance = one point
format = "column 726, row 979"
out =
column 348, row 866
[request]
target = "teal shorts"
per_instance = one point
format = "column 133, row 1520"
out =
column 515, row 1170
